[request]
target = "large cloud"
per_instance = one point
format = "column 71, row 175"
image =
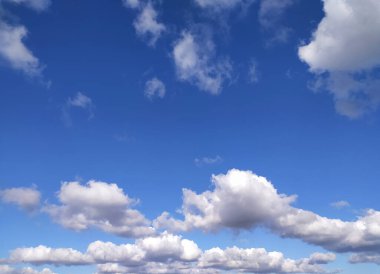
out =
column 12, row 47
column 194, row 58
column 100, row 205
column 345, row 46
column 25, row 198
column 168, row 253
column 243, row 200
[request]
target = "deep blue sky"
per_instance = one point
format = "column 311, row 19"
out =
column 277, row 126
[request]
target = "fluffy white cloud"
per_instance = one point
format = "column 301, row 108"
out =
column 100, row 205
column 168, row 253
column 45, row 255
column 257, row 260
column 194, row 62
column 243, row 200
column 26, row 198
column 208, row 160
column 345, row 47
column 154, row 88
column 6, row 269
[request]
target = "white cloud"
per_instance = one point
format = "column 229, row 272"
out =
column 243, row 200
column 14, row 51
column 81, row 101
column 345, row 47
column 45, row 255
column 146, row 24
column 26, row 198
column 270, row 13
column 100, row 205
column 340, row 204
column 6, row 269
column 253, row 73
column 208, row 160
column 133, row 4
column 193, row 57
column 168, row 253
column 12, row 47
column 154, row 88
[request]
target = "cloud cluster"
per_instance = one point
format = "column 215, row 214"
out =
column 168, row 253
column 26, row 198
column 194, row 58
column 12, row 47
column 100, row 205
column 343, row 52
column 243, row 200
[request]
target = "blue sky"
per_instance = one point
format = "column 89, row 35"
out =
column 205, row 136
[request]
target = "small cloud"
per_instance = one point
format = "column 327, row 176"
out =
column 78, row 101
column 154, row 88
column 253, row 73
column 340, row 204
column 25, row 198
column 208, row 161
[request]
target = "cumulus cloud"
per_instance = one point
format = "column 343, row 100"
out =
column 208, row 160
column 344, row 54
column 270, row 14
column 6, row 269
column 154, row 88
column 25, row 198
column 195, row 62
column 168, row 253
column 12, row 47
column 244, row 200
column 100, row 205
column 81, row 101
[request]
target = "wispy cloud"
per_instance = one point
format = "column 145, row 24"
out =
column 154, row 88
column 80, row 101
column 208, row 161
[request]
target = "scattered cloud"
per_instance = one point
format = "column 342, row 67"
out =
column 168, row 253
column 195, row 62
column 98, row 205
column 270, row 14
column 154, row 88
column 253, row 73
column 12, row 47
column 369, row 257
column 243, row 200
column 343, row 54
column 81, row 101
column 146, row 24
column 340, row 204
column 26, row 198
column 208, row 161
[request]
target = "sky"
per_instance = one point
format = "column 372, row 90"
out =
column 189, row 136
